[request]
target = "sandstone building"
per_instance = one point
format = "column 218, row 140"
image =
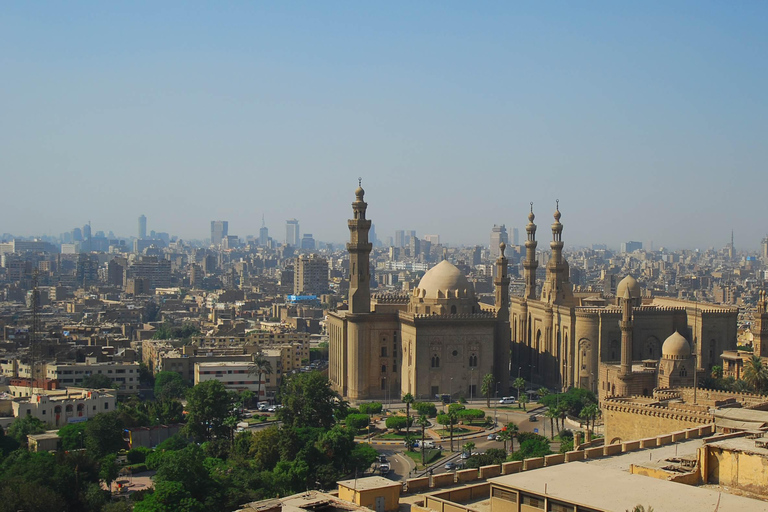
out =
column 437, row 340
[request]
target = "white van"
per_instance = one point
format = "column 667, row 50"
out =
column 507, row 400
column 429, row 444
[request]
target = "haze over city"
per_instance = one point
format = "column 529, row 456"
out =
column 647, row 121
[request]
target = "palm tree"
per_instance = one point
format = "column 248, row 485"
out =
column 409, row 442
column 261, row 366
column 717, row 372
column 453, row 418
column 755, row 374
column 552, row 414
column 504, row 436
column 468, row 447
column 519, row 383
column 487, row 388
column 423, row 422
column 512, row 430
column 523, row 400
column 590, row 412
column 408, row 400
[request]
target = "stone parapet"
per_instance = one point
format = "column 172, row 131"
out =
column 574, row 455
column 554, row 459
column 490, row 471
column 509, row 468
column 535, row 463
column 443, row 480
column 467, row 475
column 593, row 453
column 417, row 484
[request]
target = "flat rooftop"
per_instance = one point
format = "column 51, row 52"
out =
column 369, row 482
column 644, row 457
column 612, row 489
column 742, row 444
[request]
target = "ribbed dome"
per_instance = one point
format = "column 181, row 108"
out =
column 676, row 347
column 444, row 280
column 630, row 284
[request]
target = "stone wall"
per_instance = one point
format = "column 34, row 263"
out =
column 627, row 421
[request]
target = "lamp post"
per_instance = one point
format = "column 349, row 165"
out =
column 450, row 394
column 496, row 407
column 471, row 380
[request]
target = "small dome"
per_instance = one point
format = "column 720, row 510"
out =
column 442, row 279
column 502, row 248
column 359, row 193
column 628, row 284
column 676, row 347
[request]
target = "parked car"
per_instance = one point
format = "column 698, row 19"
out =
column 429, row 444
column 507, row 400
column 491, row 437
column 450, row 466
column 465, row 455
column 533, row 417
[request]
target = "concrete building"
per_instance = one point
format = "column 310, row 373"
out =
column 292, row 236
column 219, row 230
column 436, row 341
column 142, row 227
column 498, row 236
column 627, row 247
column 235, row 376
column 124, row 375
column 62, row 407
column 310, row 275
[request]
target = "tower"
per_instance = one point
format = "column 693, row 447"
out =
column 626, row 336
column 557, row 288
column 142, row 227
column 292, row 232
column 503, row 329
column 760, row 327
column 498, row 236
column 219, row 231
column 530, row 264
column 263, row 233
column 359, row 251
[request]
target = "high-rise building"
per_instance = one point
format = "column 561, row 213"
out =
column 400, row 238
column 292, row 233
column 219, row 230
column 433, row 239
column 307, row 242
column 765, row 249
column 515, row 236
column 311, row 275
column 77, row 235
column 263, row 234
column 142, row 227
column 631, row 246
column 498, row 235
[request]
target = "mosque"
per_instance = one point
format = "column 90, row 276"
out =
column 436, row 340
column 440, row 340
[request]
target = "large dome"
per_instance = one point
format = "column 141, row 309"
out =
column 676, row 347
column 442, row 281
column 630, row 284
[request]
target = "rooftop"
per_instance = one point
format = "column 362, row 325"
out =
column 370, row 482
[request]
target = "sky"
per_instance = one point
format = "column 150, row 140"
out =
column 647, row 120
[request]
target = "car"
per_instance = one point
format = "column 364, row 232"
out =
column 382, row 459
column 429, row 444
column 465, row 455
column 533, row 417
column 272, row 408
column 507, row 400
column 384, row 468
column 450, row 466
column 263, row 407
column 491, row 437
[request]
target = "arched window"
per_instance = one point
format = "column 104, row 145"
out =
column 453, row 309
column 472, row 360
column 683, row 371
column 383, row 351
column 435, row 361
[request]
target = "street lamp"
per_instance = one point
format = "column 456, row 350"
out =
column 471, row 380
column 450, row 388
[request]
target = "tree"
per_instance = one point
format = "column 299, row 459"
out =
column 532, row 446
column 72, row 436
column 471, row 415
column 363, row 455
column 423, row 422
column 98, row 381
column 167, row 496
column 486, row 388
column 22, row 427
column 425, row 408
column 504, row 436
column 552, row 414
column 450, row 420
column 371, row 408
column 408, row 400
column 169, row 385
column 357, row 421
column 543, row 392
column 513, row 430
column 522, row 400
column 208, row 405
column 409, row 442
column 756, row 374
column 308, row 399
column 103, row 435
column 518, row 383
column 261, row 366
column 590, row 412
column 717, row 372
column 109, row 469
column 398, row 422
column 468, row 447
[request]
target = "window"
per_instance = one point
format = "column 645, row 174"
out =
column 532, row 501
column 435, row 361
column 383, row 383
column 503, row 494
column 383, row 368
column 383, row 351
column 683, row 372
column 453, row 310
column 473, row 360
column 455, row 353
column 106, row 405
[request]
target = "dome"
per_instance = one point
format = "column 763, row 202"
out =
column 630, row 284
column 676, row 347
column 443, row 281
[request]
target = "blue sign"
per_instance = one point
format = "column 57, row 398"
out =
column 535, row 431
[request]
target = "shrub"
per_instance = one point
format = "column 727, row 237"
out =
column 138, row 455
column 357, row 421
column 371, row 408
column 471, row 415
column 425, row 408
column 138, row 468
column 398, row 422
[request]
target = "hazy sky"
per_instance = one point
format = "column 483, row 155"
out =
column 648, row 120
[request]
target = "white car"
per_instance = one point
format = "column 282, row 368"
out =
column 507, row 400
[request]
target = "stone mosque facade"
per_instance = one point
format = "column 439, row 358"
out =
column 561, row 339
column 437, row 340
column 440, row 340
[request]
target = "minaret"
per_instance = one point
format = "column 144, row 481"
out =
column 530, row 262
column 503, row 338
column 626, row 336
column 359, row 251
column 760, row 327
column 502, row 283
column 557, row 288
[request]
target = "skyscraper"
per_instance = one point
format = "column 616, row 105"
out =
column 219, row 231
column 400, row 238
column 292, row 233
column 498, row 235
column 515, row 236
column 142, row 227
column 263, row 233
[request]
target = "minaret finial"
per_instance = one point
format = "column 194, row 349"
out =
column 531, row 206
column 557, row 204
column 359, row 182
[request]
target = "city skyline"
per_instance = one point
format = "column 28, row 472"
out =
column 646, row 121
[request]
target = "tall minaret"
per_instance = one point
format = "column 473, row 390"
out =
column 557, row 287
column 359, row 251
column 503, row 338
column 530, row 262
column 760, row 327
column 626, row 336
